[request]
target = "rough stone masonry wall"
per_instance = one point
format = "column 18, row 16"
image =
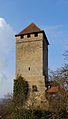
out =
column 29, row 63
column 45, row 58
column 29, row 56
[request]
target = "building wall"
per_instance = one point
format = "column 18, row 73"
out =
column 29, row 56
column 45, row 58
column 32, row 64
column 32, row 59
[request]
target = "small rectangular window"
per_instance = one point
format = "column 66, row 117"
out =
column 28, row 36
column 36, row 34
column 34, row 88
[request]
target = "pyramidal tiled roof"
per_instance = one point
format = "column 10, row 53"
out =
column 30, row 29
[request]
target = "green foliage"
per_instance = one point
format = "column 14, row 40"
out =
column 29, row 114
column 20, row 91
column 37, row 114
column 19, row 98
column 6, row 107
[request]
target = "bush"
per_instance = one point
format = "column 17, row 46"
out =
column 29, row 114
column 20, row 91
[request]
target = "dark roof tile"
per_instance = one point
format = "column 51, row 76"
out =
column 30, row 29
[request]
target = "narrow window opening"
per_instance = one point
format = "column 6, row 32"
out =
column 28, row 36
column 34, row 88
column 29, row 68
column 36, row 34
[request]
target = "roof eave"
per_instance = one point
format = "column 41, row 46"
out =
column 29, row 33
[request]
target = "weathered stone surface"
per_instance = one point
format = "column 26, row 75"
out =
column 32, row 62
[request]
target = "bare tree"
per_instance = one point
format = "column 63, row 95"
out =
column 59, row 102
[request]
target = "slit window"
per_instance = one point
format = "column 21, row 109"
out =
column 29, row 68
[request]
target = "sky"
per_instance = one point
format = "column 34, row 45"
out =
column 49, row 15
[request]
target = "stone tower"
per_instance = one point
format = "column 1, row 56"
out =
column 32, row 58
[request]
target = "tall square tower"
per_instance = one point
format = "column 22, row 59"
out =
column 32, row 57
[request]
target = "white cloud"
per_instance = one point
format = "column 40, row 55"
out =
column 6, row 36
column 7, row 43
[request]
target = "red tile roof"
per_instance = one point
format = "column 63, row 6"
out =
column 53, row 89
column 30, row 29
